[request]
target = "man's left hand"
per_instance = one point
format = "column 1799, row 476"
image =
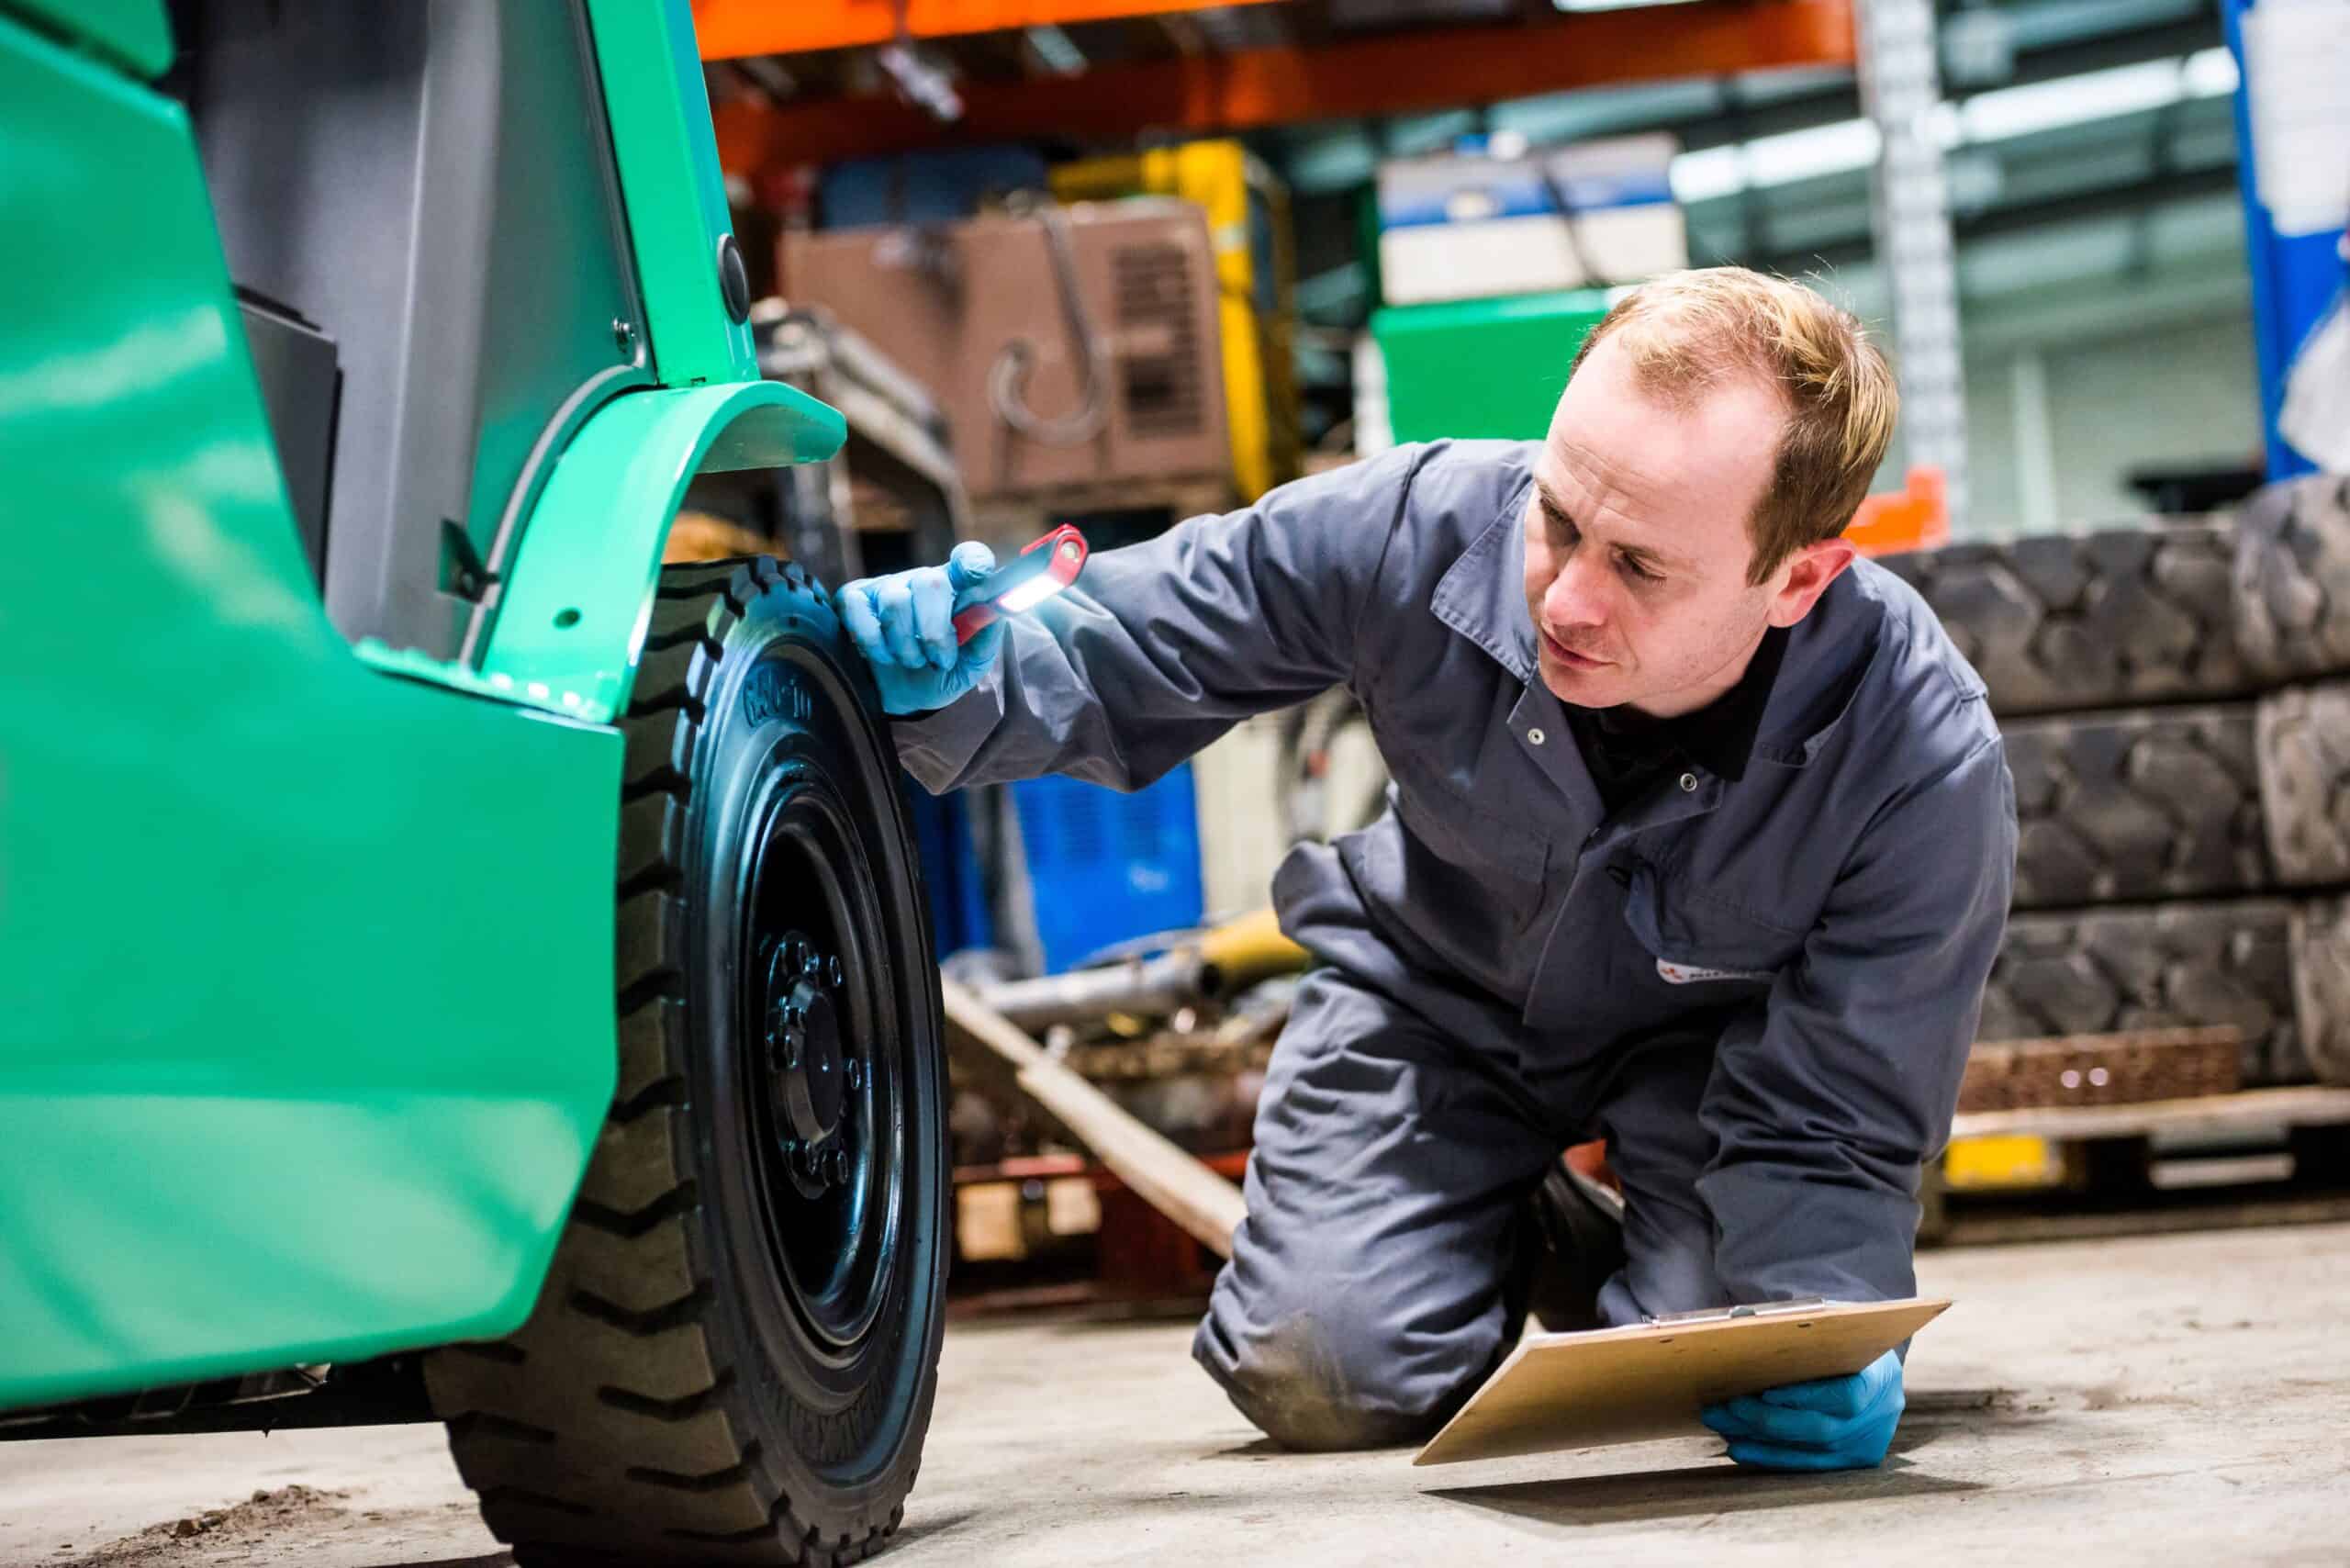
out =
column 1837, row 1423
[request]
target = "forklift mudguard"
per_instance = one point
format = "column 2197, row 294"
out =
column 572, row 618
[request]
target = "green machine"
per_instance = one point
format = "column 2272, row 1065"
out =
column 451, row 967
column 1482, row 367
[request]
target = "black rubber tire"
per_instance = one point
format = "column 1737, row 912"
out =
column 2304, row 751
column 2171, row 966
column 2321, row 936
column 2139, row 805
column 667, row 1402
column 2106, row 619
column 2292, row 579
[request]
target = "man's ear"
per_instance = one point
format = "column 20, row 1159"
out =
column 1805, row 576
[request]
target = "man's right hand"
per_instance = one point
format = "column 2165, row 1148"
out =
column 904, row 626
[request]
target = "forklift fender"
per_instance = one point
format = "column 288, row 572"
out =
column 572, row 613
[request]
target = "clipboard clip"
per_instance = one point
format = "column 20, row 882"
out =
column 1751, row 1309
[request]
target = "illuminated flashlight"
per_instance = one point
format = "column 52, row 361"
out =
column 1037, row 573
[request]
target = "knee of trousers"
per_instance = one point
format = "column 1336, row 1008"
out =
column 1331, row 1375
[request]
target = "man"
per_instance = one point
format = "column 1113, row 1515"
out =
column 1700, row 840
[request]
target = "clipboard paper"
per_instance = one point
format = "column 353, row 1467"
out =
column 1649, row 1380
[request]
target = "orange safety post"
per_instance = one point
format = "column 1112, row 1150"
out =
column 1916, row 517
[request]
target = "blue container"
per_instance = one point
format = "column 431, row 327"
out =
column 959, row 916
column 1106, row 868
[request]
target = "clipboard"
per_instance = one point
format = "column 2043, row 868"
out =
column 1649, row 1380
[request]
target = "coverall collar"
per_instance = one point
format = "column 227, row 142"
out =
column 1482, row 597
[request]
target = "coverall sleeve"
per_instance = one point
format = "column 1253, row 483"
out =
column 1164, row 645
column 1826, row 1104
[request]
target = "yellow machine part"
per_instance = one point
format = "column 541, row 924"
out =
column 1251, row 948
column 1981, row 1164
column 1259, row 370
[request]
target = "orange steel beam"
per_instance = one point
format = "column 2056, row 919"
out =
column 726, row 29
column 1199, row 95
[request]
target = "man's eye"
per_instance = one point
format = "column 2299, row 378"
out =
column 1635, row 570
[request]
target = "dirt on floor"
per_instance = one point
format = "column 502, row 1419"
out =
column 2116, row 1402
column 286, row 1512
column 367, row 1497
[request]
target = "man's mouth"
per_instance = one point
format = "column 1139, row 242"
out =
column 1569, row 658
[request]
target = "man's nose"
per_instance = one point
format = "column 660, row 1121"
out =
column 1577, row 596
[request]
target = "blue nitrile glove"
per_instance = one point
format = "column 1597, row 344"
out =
column 1837, row 1422
column 904, row 626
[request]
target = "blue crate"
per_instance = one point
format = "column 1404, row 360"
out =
column 959, row 916
column 1103, row 866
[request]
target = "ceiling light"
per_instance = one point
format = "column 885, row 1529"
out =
column 1055, row 51
column 2010, row 112
column 2070, row 100
column 2209, row 73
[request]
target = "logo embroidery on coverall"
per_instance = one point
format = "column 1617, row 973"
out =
column 1689, row 974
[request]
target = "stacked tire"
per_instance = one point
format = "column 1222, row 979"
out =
column 2175, row 701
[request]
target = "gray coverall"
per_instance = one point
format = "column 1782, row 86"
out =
column 1762, row 994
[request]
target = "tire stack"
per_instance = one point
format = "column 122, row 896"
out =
column 2175, row 698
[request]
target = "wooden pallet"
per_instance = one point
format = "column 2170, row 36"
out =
column 2101, row 1069
column 2084, row 1171
column 2310, row 1106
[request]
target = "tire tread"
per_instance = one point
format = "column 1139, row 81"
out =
column 2291, row 583
column 2321, row 936
column 605, row 1428
column 2166, row 966
column 2099, row 619
column 2135, row 805
column 2304, row 752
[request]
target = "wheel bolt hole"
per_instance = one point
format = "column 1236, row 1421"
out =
column 564, row 620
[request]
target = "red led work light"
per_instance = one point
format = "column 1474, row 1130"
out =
column 1037, row 573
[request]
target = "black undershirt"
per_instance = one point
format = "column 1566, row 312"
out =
column 1626, row 751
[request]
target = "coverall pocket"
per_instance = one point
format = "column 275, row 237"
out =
column 1710, row 952
column 1481, row 868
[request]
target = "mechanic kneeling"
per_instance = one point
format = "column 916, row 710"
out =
column 1701, row 841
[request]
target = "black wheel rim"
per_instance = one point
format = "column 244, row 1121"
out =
column 819, row 1026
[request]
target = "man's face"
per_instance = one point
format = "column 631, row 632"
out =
column 1637, row 547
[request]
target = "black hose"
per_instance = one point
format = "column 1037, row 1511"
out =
column 1008, row 377
column 1592, row 277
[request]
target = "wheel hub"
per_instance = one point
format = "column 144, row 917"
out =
column 819, row 1016
column 812, row 1078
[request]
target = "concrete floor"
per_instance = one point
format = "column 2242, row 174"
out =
column 2113, row 1402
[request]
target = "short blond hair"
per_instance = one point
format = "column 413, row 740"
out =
column 1686, row 330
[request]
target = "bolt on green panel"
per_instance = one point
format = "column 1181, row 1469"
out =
column 671, row 184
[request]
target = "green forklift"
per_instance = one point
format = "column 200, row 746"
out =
column 451, row 967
